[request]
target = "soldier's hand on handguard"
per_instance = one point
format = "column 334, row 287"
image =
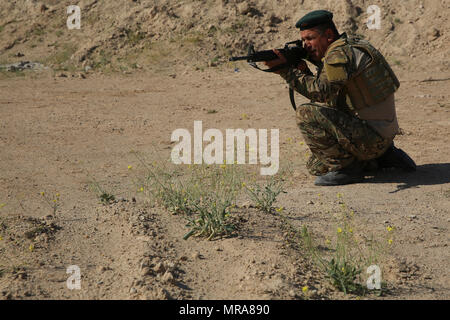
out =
column 273, row 63
column 302, row 66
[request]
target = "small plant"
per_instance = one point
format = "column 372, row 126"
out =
column 202, row 194
column 344, row 275
column 342, row 269
column 265, row 195
column 349, row 256
column 107, row 198
column 53, row 202
column 211, row 220
column 104, row 196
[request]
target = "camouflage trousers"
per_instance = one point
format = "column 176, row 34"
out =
column 336, row 139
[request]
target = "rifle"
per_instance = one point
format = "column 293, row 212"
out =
column 293, row 52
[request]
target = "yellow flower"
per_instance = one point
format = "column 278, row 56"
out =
column 390, row 241
column 339, row 230
column 57, row 195
column 141, row 189
column 327, row 241
column 2, row 205
column 301, row 143
column 1, row 238
column 350, row 230
column 343, row 269
column 305, row 289
column 31, row 247
column 130, row 167
column 223, row 166
column 389, row 228
column 243, row 184
column 54, row 200
column 279, row 209
column 42, row 193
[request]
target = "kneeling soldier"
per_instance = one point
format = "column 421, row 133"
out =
column 351, row 120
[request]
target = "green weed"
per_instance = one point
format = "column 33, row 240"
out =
column 202, row 194
column 104, row 196
column 53, row 202
column 265, row 195
column 344, row 260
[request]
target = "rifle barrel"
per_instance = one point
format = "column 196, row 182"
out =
column 239, row 58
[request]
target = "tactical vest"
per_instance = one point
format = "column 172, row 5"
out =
column 371, row 85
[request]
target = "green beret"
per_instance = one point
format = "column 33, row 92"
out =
column 314, row 18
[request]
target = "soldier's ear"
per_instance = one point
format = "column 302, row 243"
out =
column 329, row 35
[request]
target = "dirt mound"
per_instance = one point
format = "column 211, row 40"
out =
column 165, row 34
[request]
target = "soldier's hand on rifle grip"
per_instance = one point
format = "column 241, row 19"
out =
column 273, row 63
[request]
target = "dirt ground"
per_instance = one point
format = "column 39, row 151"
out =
column 57, row 133
column 114, row 90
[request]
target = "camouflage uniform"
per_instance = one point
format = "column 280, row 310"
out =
column 330, row 123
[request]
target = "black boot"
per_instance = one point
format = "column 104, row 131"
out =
column 396, row 158
column 351, row 174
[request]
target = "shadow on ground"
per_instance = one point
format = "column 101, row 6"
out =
column 427, row 174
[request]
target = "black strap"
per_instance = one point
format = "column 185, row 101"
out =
column 277, row 68
column 292, row 98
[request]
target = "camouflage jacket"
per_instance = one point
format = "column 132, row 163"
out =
column 341, row 71
column 320, row 88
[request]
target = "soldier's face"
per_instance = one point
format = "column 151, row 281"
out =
column 316, row 43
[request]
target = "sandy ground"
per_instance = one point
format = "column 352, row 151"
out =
column 57, row 134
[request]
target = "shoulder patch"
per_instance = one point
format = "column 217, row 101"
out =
column 336, row 57
column 334, row 66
